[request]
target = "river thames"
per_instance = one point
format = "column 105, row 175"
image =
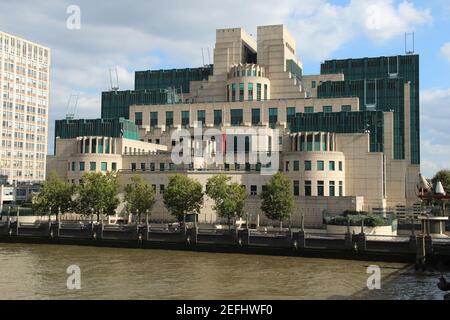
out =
column 39, row 272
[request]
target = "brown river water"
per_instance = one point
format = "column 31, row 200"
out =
column 39, row 272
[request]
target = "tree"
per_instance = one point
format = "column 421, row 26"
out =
column 139, row 196
column 54, row 195
column 444, row 177
column 97, row 194
column 277, row 198
column 182, row 196
column 229, row 199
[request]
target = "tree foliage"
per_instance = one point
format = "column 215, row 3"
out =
column 277, row 199
column 55, row 194
column 183, row 196
column 97, row 194
column 139, row 196
column 229, row 198
column 444, row 177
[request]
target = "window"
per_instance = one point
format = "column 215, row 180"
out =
column 332, row 166
column 114, row 166
column 73, row 166
column 250, row 91
column 273, row 117
column 290, row 117
column 104, row 166
column 154, row 187
column 313, row 84
column 346, row 108
column 185, row 118
column 161, row 167
column 162, row 188
column 258, row 91
column 157, row 141
column 247, row 144
column 248, row 167
column 320, row 165
column 296, row 188
column 309, row 109
column 320, row 188
column 237, row 117
column 138, row 118
column 201, row 117
column 256, row 116
column 133, row 167
column 332, row 187
column 340, row 166
column 341, row 189
column 327, row 109
column 82, row 166
column 233, row 92
column 92, row 166
column 241, row 92
column 152, row 166
column 308, row 188
column 308, row 165
column 154, row 119
column 287, row 166
column 265, row 92
column 254, row 190
column 296, row 165
column 142, row 166
column 169, row 119
column 217, row 118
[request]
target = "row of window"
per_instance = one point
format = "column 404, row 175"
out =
column 237, row 116
column 72, row 166
column 232, row 91
column 320, row 165
column 320, row 185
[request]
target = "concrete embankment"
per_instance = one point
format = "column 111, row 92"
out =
column 349, row 246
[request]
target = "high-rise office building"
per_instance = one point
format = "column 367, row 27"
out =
column 24, row 106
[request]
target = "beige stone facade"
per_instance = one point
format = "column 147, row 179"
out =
column 24, row 105
column 242, row 112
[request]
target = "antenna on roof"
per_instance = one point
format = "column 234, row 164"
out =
column 114, row 84
column 71, row 107
column 409, row 40
column 209, row 57
column 203, row 58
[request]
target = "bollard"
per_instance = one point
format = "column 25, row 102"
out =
column 421, row 253
column 362, row 242
column 301, row 239
column 348, row 241
column 412, row 243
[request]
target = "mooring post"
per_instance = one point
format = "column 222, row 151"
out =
column 362, row 241
column 147, row 227
column 17, row 222
column 412, row 237
column 421, row 253
column 348, row 237
column 59, row 220
column 302, row 235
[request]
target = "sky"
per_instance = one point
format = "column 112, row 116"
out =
column 157, row 34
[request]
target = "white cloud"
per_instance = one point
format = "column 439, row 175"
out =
column 435, row 131
column 153, row 34
column 445, row 51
